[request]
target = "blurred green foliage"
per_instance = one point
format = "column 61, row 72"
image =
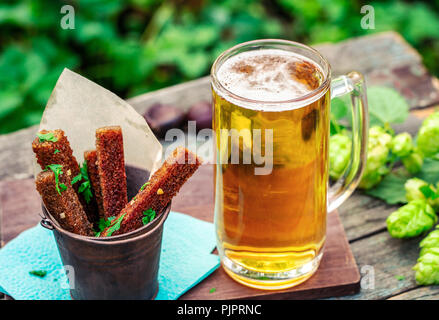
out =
column 135, row 46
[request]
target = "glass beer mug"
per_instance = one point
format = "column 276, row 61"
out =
column 271, row 122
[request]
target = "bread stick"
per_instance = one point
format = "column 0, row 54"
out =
column 111, row 168
column 62, row 204
column 158, row 192
column 93, row 174
column 57, row 151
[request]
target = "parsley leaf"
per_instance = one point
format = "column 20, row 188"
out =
column 54, row 167
column 84, row 170
column 56, row 151
column 62, row 187
column 88, row 195
column 399, row 278
column 144, row 185
column 149, row 215
column 115, row 226
column 47, row 137
column 57, row 170
column 85, row 187
column 76, row 179
column 38, row 273
column 212, row 290
column 103, row 224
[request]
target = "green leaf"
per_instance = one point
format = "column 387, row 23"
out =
column 193, row 64
column 87, row 31
column 57, row 171
column 390, row 189
column 149, row 215
column 206, row 35
column 339, row 107
column 35, row 70
column 19, row 14
column 386, row 105
column 47, row 137
column 84, row 170
column 422, row 23
column 144, row 185
column 87, row 195
column 103, row 224
column 327, row 32
column 84, row 186
column 339, row 110
column 10, row 102
column 38, row 273
column 115, row 226
column 429, row 171
column 399, row 278
column 62, row 187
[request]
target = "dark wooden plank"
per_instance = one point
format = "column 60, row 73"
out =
column 422, row 293
column 369, row 53
column 338, row 274
column 363, row 215
column 16, row 154
column 21, row 206
column 390, row 259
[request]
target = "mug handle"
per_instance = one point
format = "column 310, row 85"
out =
column 353, row 84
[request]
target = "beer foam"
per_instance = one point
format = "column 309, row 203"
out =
column 270, row 75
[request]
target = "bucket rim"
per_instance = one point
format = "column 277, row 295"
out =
column 113, row 240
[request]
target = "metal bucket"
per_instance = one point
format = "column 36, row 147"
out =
column 119, row 267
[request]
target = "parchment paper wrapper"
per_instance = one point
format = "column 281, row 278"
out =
column 79, row 106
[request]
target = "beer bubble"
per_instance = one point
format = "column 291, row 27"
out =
column 270, row 75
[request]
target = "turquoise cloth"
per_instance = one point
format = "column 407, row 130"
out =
column 185, row 260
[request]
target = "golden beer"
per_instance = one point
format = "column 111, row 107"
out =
column 271, row 101
column 275, row 222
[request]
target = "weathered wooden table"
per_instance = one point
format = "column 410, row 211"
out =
column 385, row 59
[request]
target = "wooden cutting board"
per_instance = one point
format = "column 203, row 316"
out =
column 337, row 276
